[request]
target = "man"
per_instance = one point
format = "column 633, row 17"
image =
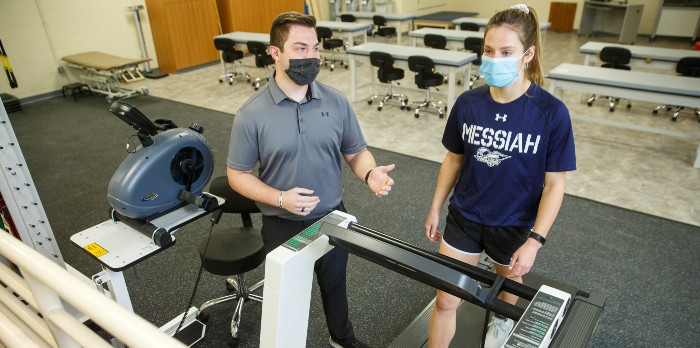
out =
column 298, row 130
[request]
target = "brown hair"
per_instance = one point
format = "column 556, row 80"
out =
column 528, row 28
column 280, row 26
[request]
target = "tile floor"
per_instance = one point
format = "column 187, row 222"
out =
column 637, row 170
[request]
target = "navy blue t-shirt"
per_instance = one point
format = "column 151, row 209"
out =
column 507, row 149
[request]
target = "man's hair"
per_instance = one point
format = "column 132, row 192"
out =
column 281, row 24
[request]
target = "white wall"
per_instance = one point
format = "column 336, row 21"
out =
column 37, row 33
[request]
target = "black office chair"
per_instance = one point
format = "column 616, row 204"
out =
column 348, row 18
column 435, row 41
column 690, row 67
column 382, row 29
column 229, row 54
column 387, row 73
column 425, row 78
column 233, row 252
column 469, row 26
column 613, row 57
column 325, row 36
column 438, row 42
column 475, row 45
column 262, row 60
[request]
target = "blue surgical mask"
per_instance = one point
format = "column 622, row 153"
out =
column 500, row 72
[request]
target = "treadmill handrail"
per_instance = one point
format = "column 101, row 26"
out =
column 414, row 263
column 484, row 276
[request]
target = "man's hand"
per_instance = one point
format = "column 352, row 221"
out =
column 299, row 201
column 379, row 181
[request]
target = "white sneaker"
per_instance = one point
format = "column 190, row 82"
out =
column 499, row 329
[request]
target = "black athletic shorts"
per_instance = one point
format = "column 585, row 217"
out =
column 500, row 243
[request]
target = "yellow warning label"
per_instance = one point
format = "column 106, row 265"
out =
column 96, row 250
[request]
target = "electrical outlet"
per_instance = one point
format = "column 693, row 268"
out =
column 61, row 69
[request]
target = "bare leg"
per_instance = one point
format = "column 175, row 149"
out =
column 505, row 296
column 443, row 318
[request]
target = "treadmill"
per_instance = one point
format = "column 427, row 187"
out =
column 474, row 286
column 553, row 315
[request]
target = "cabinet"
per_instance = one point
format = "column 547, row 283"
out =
column 678, row 21
column 561, row 15
column 607, row 17
column 253, row 16
column 183, row 32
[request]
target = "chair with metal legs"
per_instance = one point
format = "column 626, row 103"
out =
column 425, row 78
column 229, row 54
column 387, row 73
column 233, row 252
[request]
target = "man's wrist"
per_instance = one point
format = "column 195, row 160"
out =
column 367, row 176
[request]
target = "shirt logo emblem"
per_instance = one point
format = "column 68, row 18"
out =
column 491, row 158
column 325, row 114
column 502, row 118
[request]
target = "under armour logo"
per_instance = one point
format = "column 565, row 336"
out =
column 325, row 114
column 502, row 118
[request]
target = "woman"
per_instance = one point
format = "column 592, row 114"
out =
column 510, row 144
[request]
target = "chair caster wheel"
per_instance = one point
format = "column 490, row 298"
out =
column 379, row 108
column 589, row 104
column 233, row 343
column 629, row 106
column 612, row 109
column 369, row 102
column 674, row 119
column 229, row 287
column 408, row 108
column 403, row 107
column 655, row 112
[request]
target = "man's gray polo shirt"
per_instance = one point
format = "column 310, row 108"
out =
column 297, row 144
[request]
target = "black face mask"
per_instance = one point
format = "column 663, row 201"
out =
column 303, row 71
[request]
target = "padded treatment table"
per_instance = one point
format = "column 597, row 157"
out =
column 440, row 19
column 104, row 73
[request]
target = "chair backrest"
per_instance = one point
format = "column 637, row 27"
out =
column 259, row 49
column 224, row 44
column 469, row 26
column 235, row 202
column 615, row 57
column 475, row 45
column 379, row 21
column 256, row 47
column 346, row 17
column 689, row 66
column 324, row 33
column 227, row 46
column 421, row 64
column 435, row 41
column 381, row 59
